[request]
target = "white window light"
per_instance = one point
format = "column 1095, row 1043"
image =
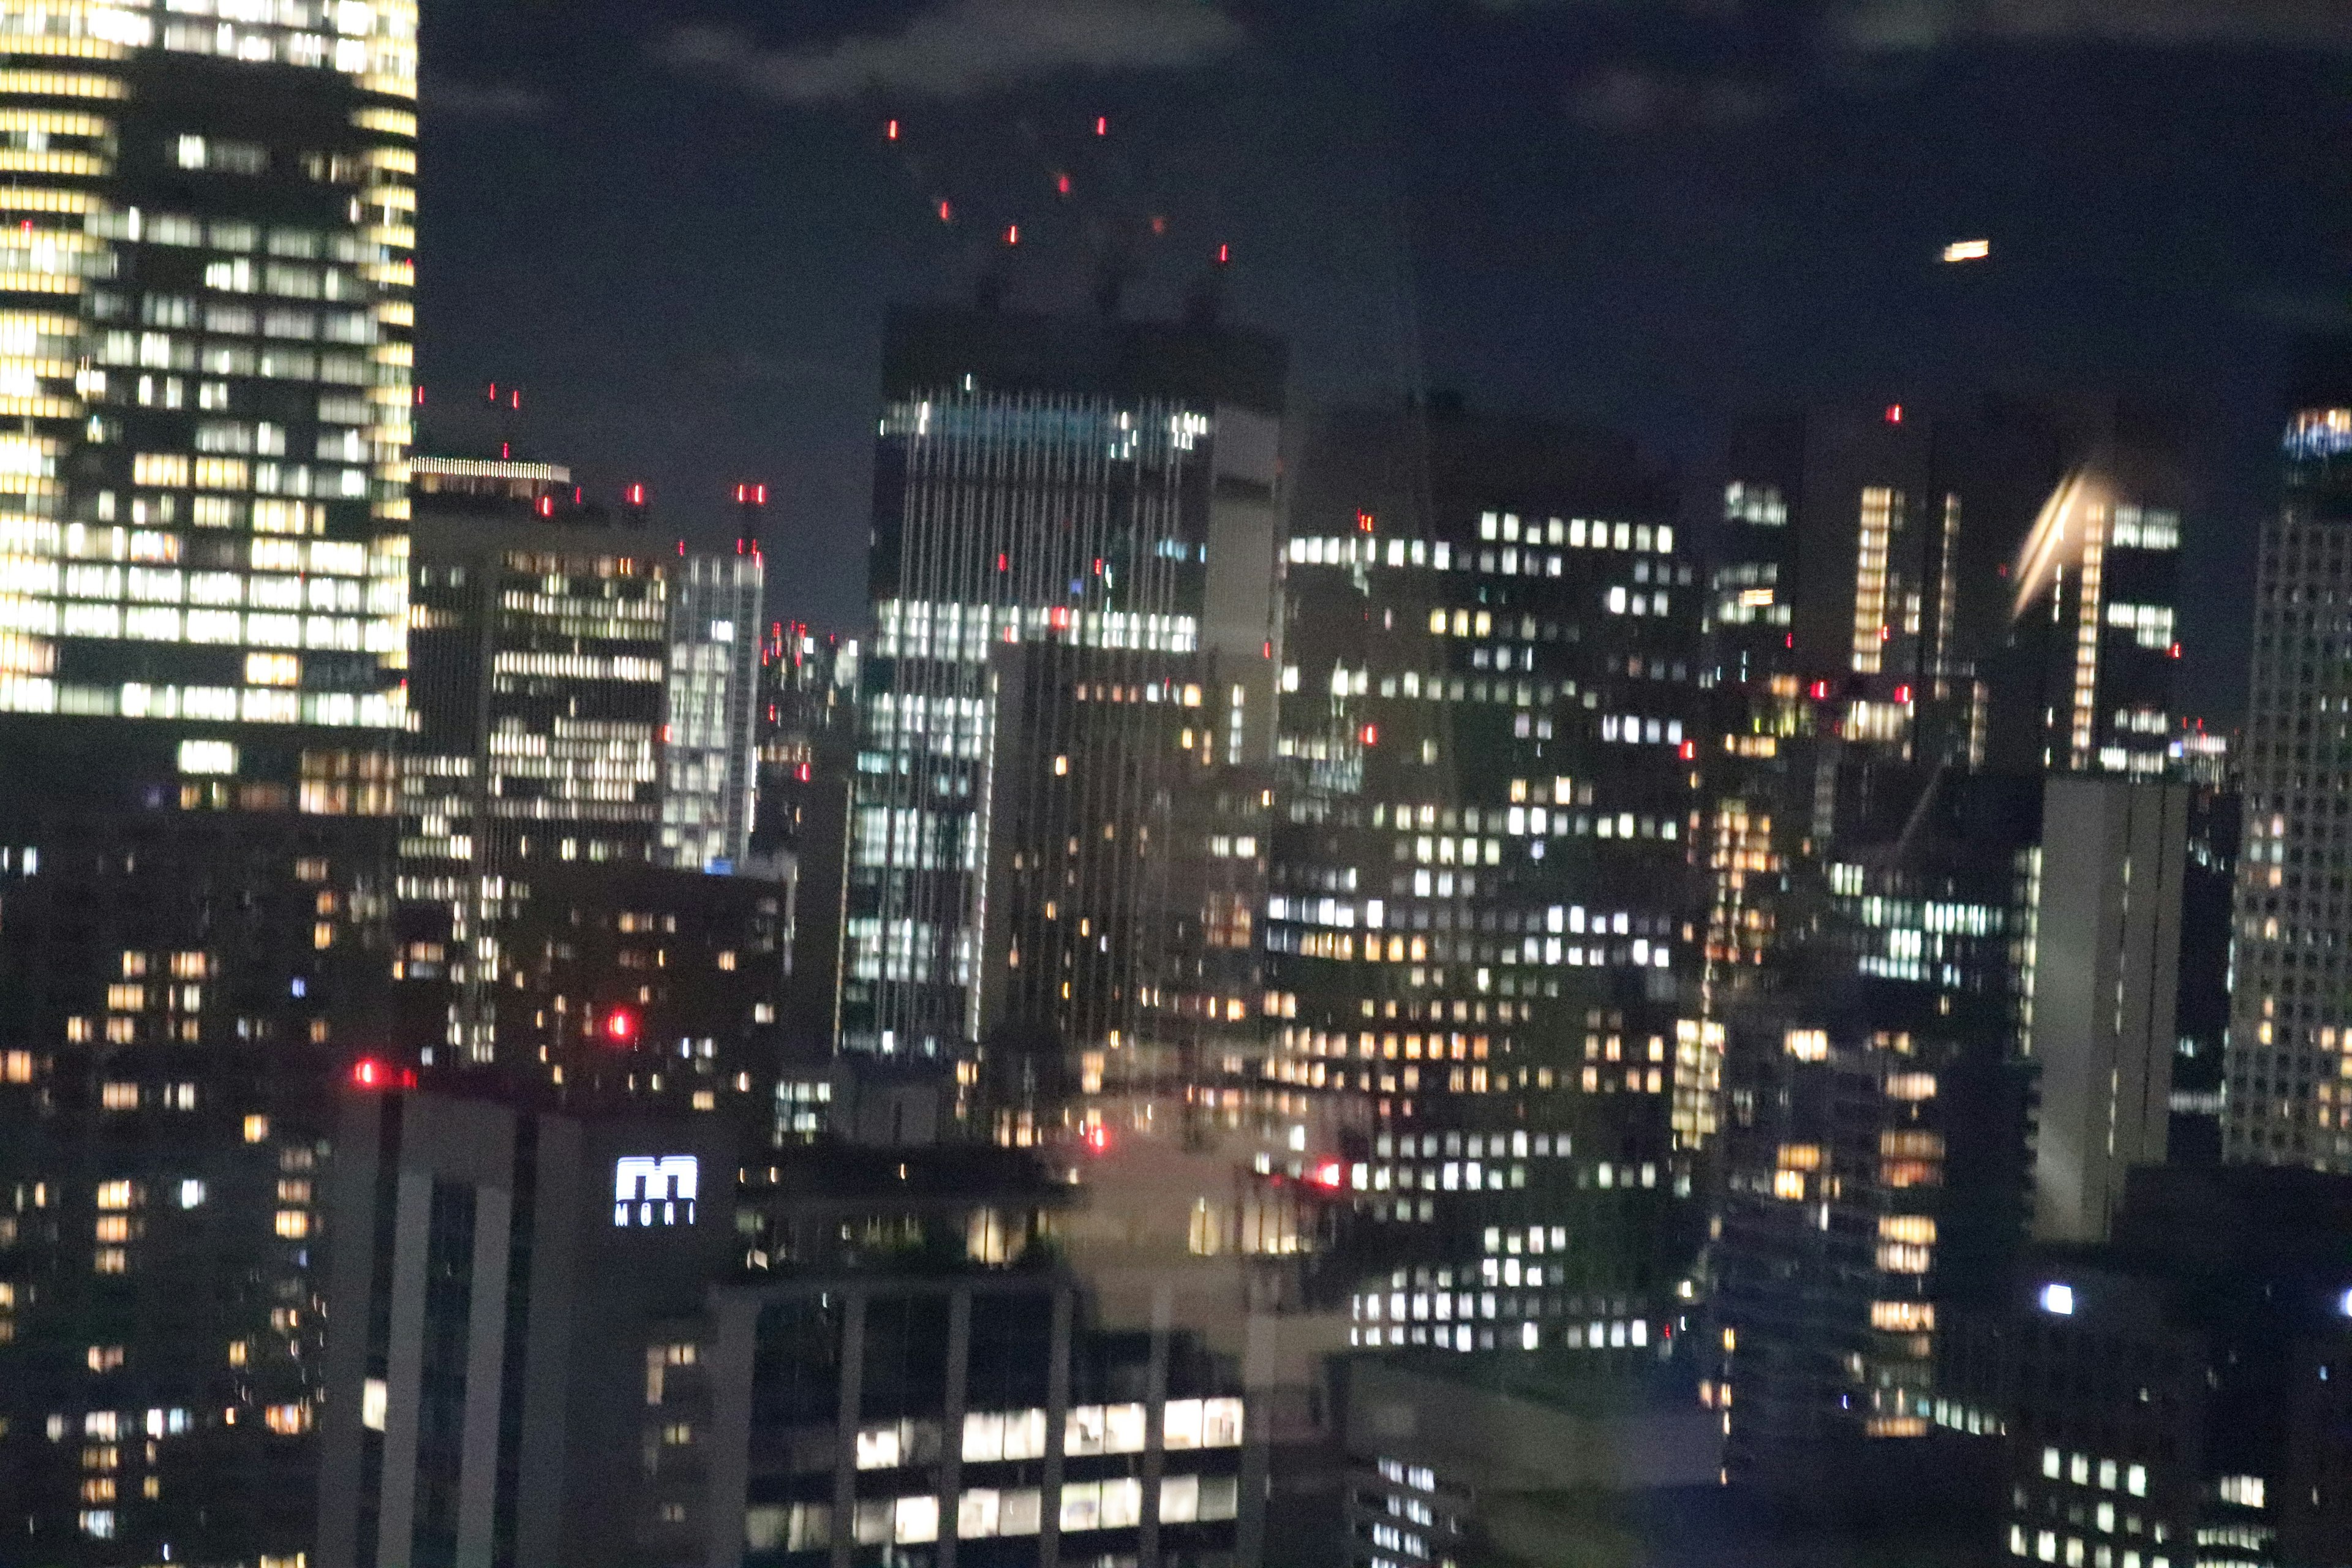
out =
column 2058, row 1300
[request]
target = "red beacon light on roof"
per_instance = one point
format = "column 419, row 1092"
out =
column 1329, row 1175
column 375, row 1073
column 621, row 1026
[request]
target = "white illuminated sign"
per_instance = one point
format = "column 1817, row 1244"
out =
column 650, row 1189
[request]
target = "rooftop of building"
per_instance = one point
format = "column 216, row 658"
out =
column 926, row 348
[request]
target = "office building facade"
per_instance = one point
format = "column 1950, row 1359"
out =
column 2174, row 1396
column 709, row 778
column 583, row 703
column 1072, row 574
column 203, row 603
column 1481, row 901
column 501, row 1273
column 2290, row 1031
column 2109, row 879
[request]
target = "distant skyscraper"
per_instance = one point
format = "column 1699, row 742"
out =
column 583, row 703
column 709, row 782
column 1916, row 618
column 1873, row 1162
column 807, row 733
column 204, row 363
column 2104, row 979
column 1073, row 578
column 1480, row 925
column 2289, row 1097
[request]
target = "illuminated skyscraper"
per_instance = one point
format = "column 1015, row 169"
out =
column 1916, row 618
column 204, row 363
column 1073, row 577
column 2289, row 1097
column 708, row 779
column 582, row 699
column 1480, row 924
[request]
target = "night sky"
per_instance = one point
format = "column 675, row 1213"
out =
column 676, row 227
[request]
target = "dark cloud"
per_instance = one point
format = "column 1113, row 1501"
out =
column 1892, row 25
column 447, row 97
column 1628, row 101
column 960, row 49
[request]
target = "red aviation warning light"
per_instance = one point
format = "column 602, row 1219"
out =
column 636, row 495
column 1225, row 255
column 1329, row 1175
column 1062, row 185
column 1902, row 695
column 1096, row 1138
column 890, row 132
column 946, row 212
column 1012, row 233
column 547, row 506
column 1102, row 124
column 375, row 1073
column 1895, row 414
column 621, row 1026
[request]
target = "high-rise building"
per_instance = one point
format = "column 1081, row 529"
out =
column 709, row 777
column 1481, row 916
column 2104, row 990
column 1873, row 1163
column 205, row 318
column 2010, row 567
column 807, row 728
column 1072, row 576
column 503, row 1271
column 583, row 700
column 1916, row 615
column 2290, row 1047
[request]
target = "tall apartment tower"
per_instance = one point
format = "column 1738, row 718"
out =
column 2290, row 1046
column 1480, row 923
column 1072, row 571
column 205, row 325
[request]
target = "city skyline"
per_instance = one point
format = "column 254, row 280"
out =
column 1638, row 216
column 1518, row 857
